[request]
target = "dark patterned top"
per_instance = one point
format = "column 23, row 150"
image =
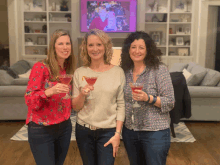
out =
column 148, row 117
column 45, row 110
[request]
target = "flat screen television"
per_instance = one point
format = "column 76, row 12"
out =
column 109, row 15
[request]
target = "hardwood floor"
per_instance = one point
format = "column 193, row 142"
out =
column 205, row 151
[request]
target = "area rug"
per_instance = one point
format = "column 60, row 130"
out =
column 182, row 133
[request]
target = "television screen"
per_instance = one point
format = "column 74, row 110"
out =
column 109, row 15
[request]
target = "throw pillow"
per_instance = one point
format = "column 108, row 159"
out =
column 186, row 74
column 9, row 71
column 190, row 66
column 198, row 73
column 211, row 78
column 20, row 67
column 178, row 67
column 25, row 75
column 5, row 78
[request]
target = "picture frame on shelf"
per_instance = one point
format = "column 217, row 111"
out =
column 156, row 36
column 179, row 6
column 183, row 51
column 179, row 41
column 180, row 30
column 41, row 40
column 187, row 30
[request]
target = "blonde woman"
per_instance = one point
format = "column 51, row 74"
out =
column 100, row 119
column 48, row 118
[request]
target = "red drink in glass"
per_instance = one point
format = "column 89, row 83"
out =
column 91, row 80
column 136, row 88
column 65, row 80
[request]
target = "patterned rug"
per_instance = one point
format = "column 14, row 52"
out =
column 182, row 133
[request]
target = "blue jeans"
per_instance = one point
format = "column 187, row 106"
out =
column 91, row 145
column 146, row 147
column 49, row 144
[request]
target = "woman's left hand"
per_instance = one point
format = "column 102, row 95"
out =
column 115, row 141
column 140, row 95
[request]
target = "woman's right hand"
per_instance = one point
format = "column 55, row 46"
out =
column 86, row 90
column 56, row 89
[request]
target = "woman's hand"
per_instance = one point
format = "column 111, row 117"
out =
column 56, row 89
column 140, row 95
column 115, row 141
column 86, row 90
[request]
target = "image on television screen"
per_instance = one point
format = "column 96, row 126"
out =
column 109, row 15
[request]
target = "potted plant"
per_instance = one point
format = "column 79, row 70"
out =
column 63, row 5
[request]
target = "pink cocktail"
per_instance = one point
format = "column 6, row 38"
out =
column 65, row 79
column 136, row 86
column 91, row 81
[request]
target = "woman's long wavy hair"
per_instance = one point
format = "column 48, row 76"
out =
column 51, row 60
column 106, row 40
column 152, row 58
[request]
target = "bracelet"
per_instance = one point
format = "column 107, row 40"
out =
column 154, row 100
column 118, row 132
column 148, row 98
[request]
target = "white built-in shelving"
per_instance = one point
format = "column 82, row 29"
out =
column 40, row 18
column 170, row 24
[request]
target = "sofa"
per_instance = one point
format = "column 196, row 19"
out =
column 13, row 83
column 204, row 88
column 203, row 85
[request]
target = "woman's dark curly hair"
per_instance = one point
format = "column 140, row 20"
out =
column 152, row 58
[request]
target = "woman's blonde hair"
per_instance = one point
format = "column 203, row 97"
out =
column 51, row 60
column 106, row 40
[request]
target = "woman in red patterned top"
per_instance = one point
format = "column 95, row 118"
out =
column 48, row 118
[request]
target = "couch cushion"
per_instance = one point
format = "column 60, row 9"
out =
column 12, row 91
column 204, row 91
column 178, row 67
column 20, row 67
column 211, row 78
column 5, row 78
column 198, row 73
column 20, row 81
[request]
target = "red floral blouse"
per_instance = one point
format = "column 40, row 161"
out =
column 45, row 110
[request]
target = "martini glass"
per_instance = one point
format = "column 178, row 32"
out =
column 65, row 79
column 136, row 86
column 91, row 81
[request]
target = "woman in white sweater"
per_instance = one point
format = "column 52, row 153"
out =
column 100, row 118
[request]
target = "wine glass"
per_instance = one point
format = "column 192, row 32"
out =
column 136, row 86
column 65, row 79
column 91, row 81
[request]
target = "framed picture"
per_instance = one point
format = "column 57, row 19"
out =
column 183, row 51
column 179, row 30
column 179, row 41
column 179, row 6
column 41, row 40
column 187, row 30
column 156, row 36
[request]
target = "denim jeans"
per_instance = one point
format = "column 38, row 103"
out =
column 91, row 145
column 49, row 144
column 146, row 147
